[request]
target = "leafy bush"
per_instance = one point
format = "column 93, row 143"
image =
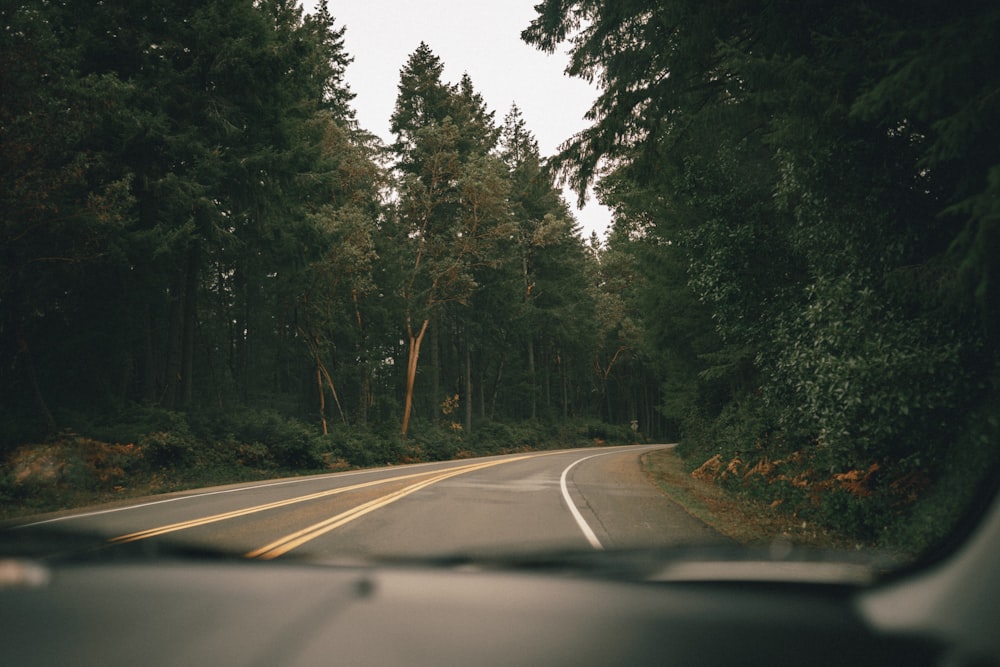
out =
column 360, row 446
column 868, row 381
column 589, row 432
column 43, row 474
column 258, row 438
column 134, row 422
column 434, row 441
column 290, row 442
column 937, row 516
column 495, row 437
column 168, row 449
column 253, row 455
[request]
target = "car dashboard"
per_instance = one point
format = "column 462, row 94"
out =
column 176, row 608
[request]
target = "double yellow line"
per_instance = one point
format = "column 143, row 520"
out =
column 300, row 537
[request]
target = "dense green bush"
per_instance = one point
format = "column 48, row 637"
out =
column 164, row 436
column 292, row 443
column 131, row 423
column 869, row 383
column 169, row 449
column 909, row 504
column 238, row 434
column 494, row 437
column 434, row 441
column 359, row 446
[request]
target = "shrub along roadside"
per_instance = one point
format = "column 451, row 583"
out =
column 149, row 450
column 909, row 505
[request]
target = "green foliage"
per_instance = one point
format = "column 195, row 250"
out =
column 866, row 380
column 168, row 450
column 433, row 441
column 361, row 447
column 134, row 421
column 823, row 184
column 192, row 220
column 938, row 519
column 289, row 443
column 501, row 438
column 496, row 437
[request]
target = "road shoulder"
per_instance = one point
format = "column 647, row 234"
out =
column 748, row 522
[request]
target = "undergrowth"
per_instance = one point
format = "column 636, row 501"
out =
column 906, row 504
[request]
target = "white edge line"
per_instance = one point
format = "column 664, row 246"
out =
column 587, row 532
column 580, row 521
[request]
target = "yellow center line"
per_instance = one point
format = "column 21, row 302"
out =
column 298, row 538
column 182, row 525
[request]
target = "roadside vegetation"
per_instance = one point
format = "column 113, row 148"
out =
column 809, row 201
column 752, row 505
column 751, row 522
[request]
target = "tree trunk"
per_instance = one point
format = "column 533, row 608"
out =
column 364, row 394
column 190, row 315
column 548, row 384
column 36, row 388
column 364, row 391
column 322, row 399
column 172, row 369
column 468, row 387
column 607, row 400
column 531, row 341
column 434, row 399
column 565, row 388
column 496, row 390
column 322, row 372
column 531, row 375
column 149, row 365
column 411, row 370
column 333, row 390
column 482, row 392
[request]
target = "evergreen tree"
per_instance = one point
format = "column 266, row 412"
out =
column 826, row 180
column 452, row 209
column 156, row 235
column 553, row 311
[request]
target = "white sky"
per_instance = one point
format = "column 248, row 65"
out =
column 481, row 37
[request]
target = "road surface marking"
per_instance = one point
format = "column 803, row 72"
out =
column 587, row 532
column 298, row 538
column 201, row 521
column 301, row 537
column 192, row 496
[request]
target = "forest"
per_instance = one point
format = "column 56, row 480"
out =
column 810, row 192
column 200, row 244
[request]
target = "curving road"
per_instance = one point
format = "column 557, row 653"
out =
column 571, row 499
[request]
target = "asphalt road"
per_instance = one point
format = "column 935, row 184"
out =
column 581, row 499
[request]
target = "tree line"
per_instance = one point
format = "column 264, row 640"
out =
column 194, row 220
column 810, row 193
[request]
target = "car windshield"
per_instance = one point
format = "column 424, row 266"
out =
column 436, row 279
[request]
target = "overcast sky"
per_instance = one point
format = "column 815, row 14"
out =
column 480, row 37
